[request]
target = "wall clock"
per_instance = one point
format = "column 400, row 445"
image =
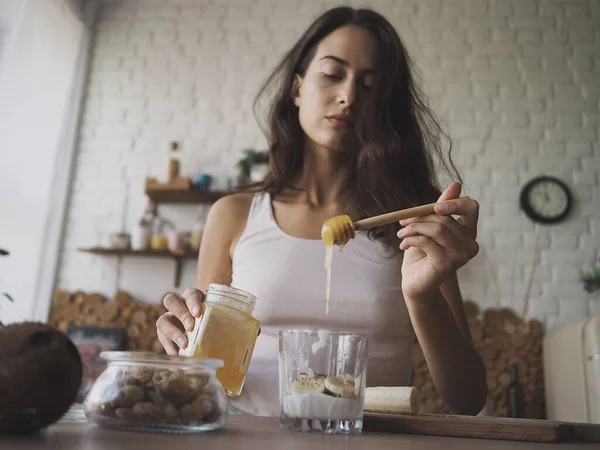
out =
column 546, row 200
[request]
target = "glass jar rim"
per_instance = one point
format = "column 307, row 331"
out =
column 160, row 358
column 317, row 331
column 215, row 288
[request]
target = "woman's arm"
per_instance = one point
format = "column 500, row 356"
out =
column 435, row 246
column 456, row 368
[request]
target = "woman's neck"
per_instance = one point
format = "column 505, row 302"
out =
column 325, row 176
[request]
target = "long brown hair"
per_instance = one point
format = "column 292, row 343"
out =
column 400, row 139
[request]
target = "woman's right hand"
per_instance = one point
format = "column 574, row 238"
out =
column 179, row 318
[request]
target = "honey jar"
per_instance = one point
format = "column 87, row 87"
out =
column 160, row 228
column 226, row 331
column 159, row 242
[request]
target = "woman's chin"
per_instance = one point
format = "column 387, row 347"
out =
column 337, row 149
column 337, row 145
column 334, row 142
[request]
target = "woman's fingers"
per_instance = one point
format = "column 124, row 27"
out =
column 433, row 250
column 423, row 234
column 446, row 221
column 194, row 300
column 436, row 231
column 178, row 308
column 466, row 208
column 465, row 241
column 170, row 327
column 167, row 344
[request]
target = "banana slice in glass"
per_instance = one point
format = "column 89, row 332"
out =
column 339, row 387
column 308, row 385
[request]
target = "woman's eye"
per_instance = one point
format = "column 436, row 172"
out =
column 331, row 76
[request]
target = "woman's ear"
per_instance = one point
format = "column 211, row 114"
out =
column 297, row 84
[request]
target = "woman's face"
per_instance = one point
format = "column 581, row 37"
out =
column 335, row 84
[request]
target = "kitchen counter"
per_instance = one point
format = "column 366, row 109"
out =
column 251, row 433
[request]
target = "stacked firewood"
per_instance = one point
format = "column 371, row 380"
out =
column 136, row 317
column 502, row 339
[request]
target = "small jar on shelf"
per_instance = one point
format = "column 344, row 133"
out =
column 140, row 235
column 160, row 227
column 176, row 242
column 120, row 241
column 196, row 233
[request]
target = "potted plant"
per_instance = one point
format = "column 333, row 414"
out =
column 4, row 294
column 591, row 278
column 254, row 165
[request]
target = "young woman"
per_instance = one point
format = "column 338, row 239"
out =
column 349, row 133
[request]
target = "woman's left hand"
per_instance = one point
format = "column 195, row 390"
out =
column 437, row 245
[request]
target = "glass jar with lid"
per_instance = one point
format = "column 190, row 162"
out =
column 227, row 331
column 156, row 392
column 159, row 228
column 196, row 233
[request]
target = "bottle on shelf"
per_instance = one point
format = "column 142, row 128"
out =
column 196, row 233
column 516, row 397
column 159, row 228
column 174, row 165
column 140, row 235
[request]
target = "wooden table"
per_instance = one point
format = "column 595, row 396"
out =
column 251, row 433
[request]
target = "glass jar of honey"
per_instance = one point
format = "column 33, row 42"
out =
column 226, row 331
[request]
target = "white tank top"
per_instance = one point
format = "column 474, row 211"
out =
column 287, row 276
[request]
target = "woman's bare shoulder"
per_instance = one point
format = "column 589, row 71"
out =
column 233, row 206
column 225, row 223
column 228, row 215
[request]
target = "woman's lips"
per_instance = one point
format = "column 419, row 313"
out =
column 340, row 122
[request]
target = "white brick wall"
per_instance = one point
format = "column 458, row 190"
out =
column 515, row 81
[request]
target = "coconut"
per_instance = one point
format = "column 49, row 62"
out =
column 40, row 375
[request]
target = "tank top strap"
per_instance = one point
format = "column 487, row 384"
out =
column 260, row 216
column 261, row 205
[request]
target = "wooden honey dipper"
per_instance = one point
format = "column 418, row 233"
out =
column 340, row 229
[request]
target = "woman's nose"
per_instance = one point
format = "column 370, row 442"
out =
column 347, row 94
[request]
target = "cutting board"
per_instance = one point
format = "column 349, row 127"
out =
column 482, row 427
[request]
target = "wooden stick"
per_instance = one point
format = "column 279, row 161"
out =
column 385, row 219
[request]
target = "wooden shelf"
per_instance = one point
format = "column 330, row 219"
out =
column 178, row 258
column 156, row 253
column 184, row 196
column 180, row 190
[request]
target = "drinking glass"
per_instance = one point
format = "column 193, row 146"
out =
column 322, row 378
